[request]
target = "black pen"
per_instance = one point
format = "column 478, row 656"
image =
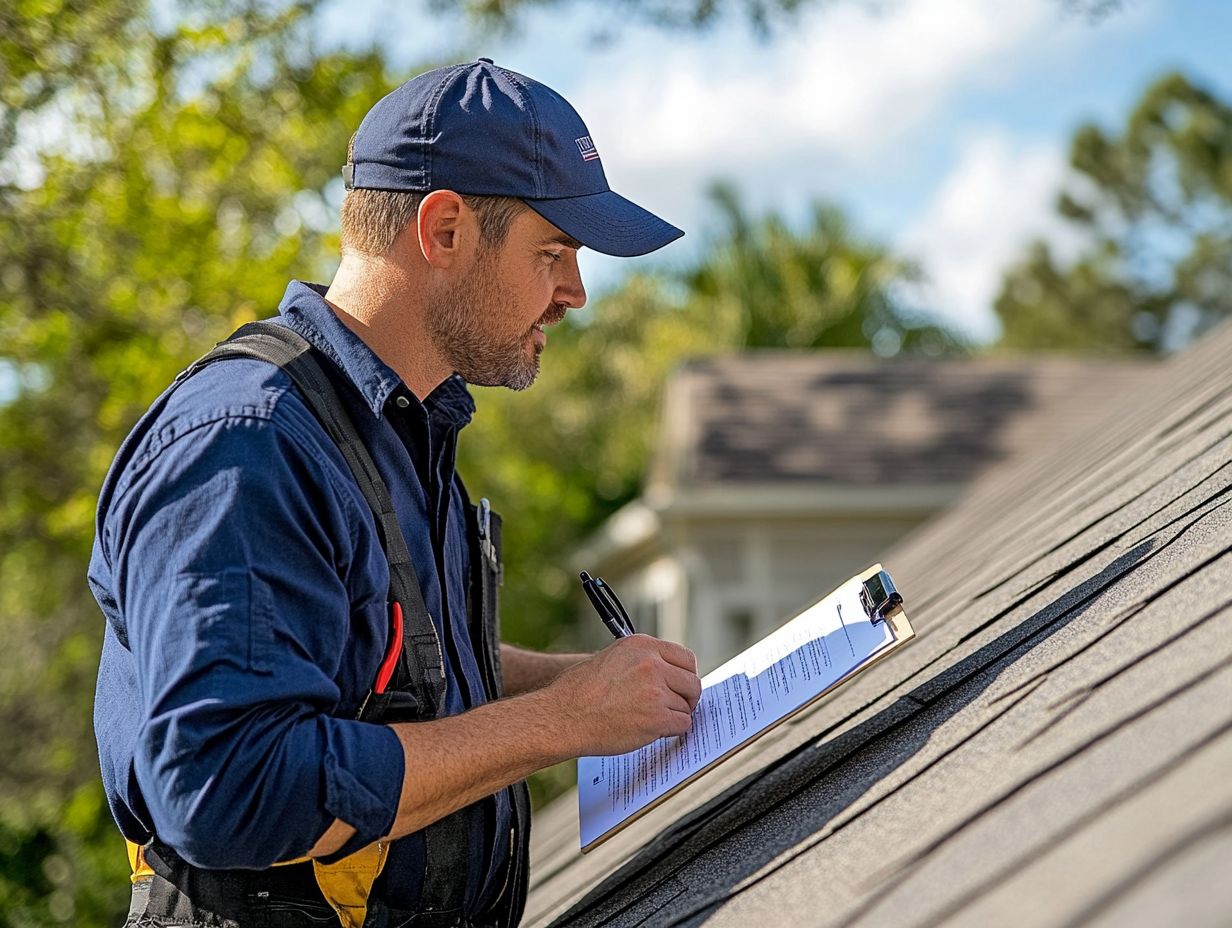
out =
column 606, row 603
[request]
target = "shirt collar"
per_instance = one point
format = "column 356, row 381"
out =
column 304, row 309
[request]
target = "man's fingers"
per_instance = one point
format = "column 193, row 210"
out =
column 679, row 717
column 677, row 654
column 684, row 683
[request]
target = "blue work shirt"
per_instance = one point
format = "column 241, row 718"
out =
column 245, row 593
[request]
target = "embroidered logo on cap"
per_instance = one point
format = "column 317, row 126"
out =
column 587, row 148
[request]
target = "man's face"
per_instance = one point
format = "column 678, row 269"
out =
column 489, row 326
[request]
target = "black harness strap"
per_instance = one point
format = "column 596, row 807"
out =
column 418, row 689
column 513, row 895
column 421, row 670
column 488, row 575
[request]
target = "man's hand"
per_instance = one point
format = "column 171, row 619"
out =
column 633, row 691
column 630, row 693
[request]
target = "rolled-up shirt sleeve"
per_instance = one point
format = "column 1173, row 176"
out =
column 231, row 545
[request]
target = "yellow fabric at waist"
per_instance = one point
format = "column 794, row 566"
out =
column 345, row 884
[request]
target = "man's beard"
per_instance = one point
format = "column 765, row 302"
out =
column 460, row 326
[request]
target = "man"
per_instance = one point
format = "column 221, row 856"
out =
column 250, row 584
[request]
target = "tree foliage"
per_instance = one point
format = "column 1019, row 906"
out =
column 765, row 17
column 770, row 285
column 47, row 47
column 185, row 181
column 1154, row 206
column 762, row 15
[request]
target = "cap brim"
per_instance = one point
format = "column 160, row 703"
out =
column 608, row 223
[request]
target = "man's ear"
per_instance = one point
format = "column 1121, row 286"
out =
column 443, row 224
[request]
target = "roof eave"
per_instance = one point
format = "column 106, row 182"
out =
column 637, row 526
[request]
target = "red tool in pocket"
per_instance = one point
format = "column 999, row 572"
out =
column 395, row 649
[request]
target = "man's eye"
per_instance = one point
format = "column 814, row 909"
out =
column 554, row 255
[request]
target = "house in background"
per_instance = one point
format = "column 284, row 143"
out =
column 778, row 475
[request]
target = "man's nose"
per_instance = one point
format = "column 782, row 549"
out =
column 571, row 291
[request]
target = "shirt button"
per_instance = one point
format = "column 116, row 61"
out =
column 401, row 402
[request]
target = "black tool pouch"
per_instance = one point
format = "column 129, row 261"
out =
column 483, row 608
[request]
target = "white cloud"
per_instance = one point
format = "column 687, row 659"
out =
column 861, row 103
column 846, row 84
column 998, row 196
column 848, row 97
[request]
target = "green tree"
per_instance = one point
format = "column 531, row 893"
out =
column 769, row 285
column 194, row 179
column 765, row 17
column 48, row 47
column 1154, row 207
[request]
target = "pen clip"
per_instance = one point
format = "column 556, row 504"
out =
column 588, row 587
column 607, row 605
column 615, row 608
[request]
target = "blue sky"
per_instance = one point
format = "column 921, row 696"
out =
column 942, row 126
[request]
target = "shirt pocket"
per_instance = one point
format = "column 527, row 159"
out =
column 234, row 617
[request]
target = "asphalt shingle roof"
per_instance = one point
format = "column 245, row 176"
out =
column 1055, row 748
column 839, row 417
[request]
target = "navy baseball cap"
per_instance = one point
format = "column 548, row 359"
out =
column 479, row 129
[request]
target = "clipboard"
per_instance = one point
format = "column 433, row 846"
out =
column 883, row 618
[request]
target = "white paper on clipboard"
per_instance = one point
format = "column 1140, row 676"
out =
column 820, row 648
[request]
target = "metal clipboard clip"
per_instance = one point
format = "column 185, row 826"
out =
column 878, row 596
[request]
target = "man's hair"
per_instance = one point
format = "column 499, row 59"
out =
column 372, row 219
